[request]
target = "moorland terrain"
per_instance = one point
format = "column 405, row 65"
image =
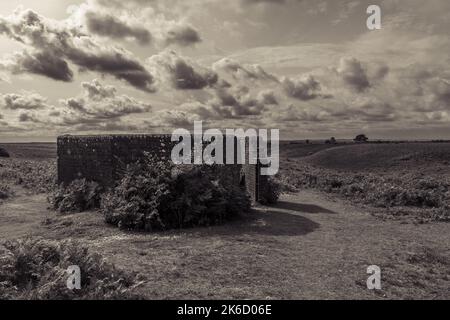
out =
column 344, row 207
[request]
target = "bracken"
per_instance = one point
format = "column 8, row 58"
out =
column 34, row 268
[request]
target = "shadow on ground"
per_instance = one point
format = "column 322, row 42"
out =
column 271, row 223
column 302, row 207
column 278, row 223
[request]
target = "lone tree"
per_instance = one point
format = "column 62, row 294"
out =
column 331, row 141
column 3, row 153
column 361, row 138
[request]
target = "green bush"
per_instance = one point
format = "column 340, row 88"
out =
column 78, row 196
column 154, row 195
column 37, row 269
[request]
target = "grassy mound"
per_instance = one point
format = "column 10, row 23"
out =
column 37, row 269
column 372, row 156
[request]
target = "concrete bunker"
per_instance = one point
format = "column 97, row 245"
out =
column 100, row 158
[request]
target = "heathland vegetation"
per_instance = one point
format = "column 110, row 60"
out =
column 407, row 182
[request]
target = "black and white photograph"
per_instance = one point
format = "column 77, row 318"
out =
column 242, row 151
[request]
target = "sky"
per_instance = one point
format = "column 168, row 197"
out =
column 310, row 68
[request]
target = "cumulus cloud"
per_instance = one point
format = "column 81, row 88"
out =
column 183, row 118
column 180, row 72
column 95, row 91
column 26, row 101
column 135, row 20
column 242, row 71
column 318, row 90
column 101, row 102
column 39, row 62
column 440, row 90
column 28, row 117
column 232, row 103
column 111, row 126
column 112, row 61
column 109, row 26
column 183, row 35
column 375, row 111
column 235, row 104
column 267, row 96
column 421, row 88
column 98, row 107
column 353, row 74
column 224, row 106
column 251, row 94
column 55, row 42
column 380, row 72
column 295, row 114
column 304, row 88
column 366, row 110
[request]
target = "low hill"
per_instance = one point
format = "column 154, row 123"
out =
column 31, row 150
column 300, row 149
column 428, row 156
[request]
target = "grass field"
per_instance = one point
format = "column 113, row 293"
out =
column 315, row 243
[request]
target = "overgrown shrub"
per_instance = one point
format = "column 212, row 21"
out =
column 37, row 269
column 272, row 192
column 285, row 183
column 80, row 195
column 237, row 200
column 139, row 196
column 199, row 198
column 154, row 195
column 5, row 192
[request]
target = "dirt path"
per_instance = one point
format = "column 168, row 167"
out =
column 347, row 239
column 23, row 214
column 307, row 247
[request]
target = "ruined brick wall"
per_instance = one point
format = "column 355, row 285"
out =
column 101, row 159
column 85, row 157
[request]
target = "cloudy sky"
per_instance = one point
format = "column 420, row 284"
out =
column 310, row 68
